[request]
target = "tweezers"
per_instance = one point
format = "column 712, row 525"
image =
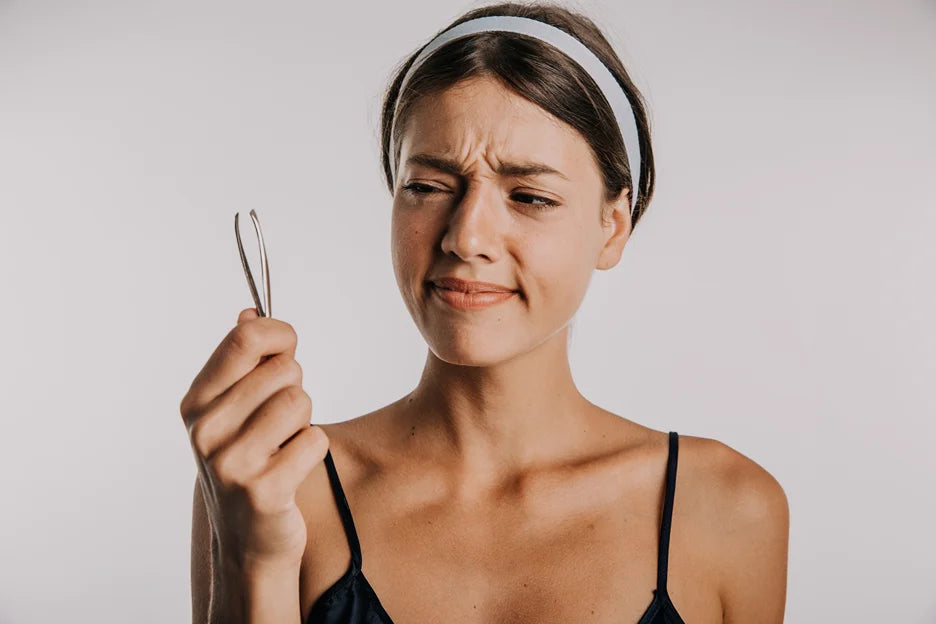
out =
column 261, row 309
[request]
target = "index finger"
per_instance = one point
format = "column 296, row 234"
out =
column 242, row 349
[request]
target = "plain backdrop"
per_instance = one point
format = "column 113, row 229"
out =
column 777, row 296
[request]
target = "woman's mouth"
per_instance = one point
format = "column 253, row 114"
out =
column 469, row 301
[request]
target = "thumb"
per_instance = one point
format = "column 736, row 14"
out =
column 247, row 314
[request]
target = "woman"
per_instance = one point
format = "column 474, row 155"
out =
column 494, row 491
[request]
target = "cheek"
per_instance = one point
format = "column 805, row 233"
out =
column 562, row 283
column 408, row 244
column 561, row 269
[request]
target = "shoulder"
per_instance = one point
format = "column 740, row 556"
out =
column 745, row 515
column 746, row 491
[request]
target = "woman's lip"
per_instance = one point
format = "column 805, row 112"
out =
column 468, row 286
column 470, row 301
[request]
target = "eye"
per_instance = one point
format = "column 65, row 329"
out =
column 540, row 203
column 546, row 204
column 417, row 188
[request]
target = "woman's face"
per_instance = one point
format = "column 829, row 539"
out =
column 463, row 208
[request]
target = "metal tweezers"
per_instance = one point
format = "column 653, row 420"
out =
column 261, row 309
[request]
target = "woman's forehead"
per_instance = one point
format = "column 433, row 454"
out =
column 482, row 118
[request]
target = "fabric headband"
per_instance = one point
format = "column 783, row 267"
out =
column 567, row 44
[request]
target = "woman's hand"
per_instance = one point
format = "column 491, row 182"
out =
column 248, row 421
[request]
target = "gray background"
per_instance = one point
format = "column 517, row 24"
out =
column 778, row 295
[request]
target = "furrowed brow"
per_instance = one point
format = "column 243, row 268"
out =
column 435, row 162
column 505, row 168
column 528, row 169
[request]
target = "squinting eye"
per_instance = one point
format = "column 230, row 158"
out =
column 420, row 189
column 545, row 205
column 540, row 203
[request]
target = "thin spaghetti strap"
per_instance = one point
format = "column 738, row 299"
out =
column 344, row 510
column 666, row 523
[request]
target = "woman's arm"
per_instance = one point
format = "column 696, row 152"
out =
column 230, row 592
column 201, row 558
column 754, row 537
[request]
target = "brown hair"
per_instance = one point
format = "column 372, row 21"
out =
column 540, row 73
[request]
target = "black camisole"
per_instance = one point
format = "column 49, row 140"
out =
column 351, row 599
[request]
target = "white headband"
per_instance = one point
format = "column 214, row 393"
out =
column 567, row 44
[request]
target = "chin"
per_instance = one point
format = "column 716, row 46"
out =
column 467, row 348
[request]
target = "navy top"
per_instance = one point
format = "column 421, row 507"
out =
column 351, row 600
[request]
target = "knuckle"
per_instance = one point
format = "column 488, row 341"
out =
column 318, row 438
column 302, row 417
column 296, row 370
column 318, row 434
column 303, row 401
column 244, row 338
column 190, row 405
column 295, row 397
column 293, row 336
column 226, row 466
column 199, row 436
column 253, row 461
column 287, row 368
column 308, row 439
column 184, row 405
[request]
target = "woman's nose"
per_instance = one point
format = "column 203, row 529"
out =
column 476, row 223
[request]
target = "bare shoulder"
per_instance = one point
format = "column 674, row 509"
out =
column 751, row 490
column 743, row 516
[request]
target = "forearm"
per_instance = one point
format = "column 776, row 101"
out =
column 249, row 594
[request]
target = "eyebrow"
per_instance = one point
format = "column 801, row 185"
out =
column 505, row 168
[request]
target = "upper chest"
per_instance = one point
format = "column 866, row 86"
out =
column 580, row 546
column 500, row 562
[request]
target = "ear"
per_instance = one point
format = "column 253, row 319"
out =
column 616, row 228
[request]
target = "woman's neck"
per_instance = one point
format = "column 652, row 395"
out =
column 482, row 423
